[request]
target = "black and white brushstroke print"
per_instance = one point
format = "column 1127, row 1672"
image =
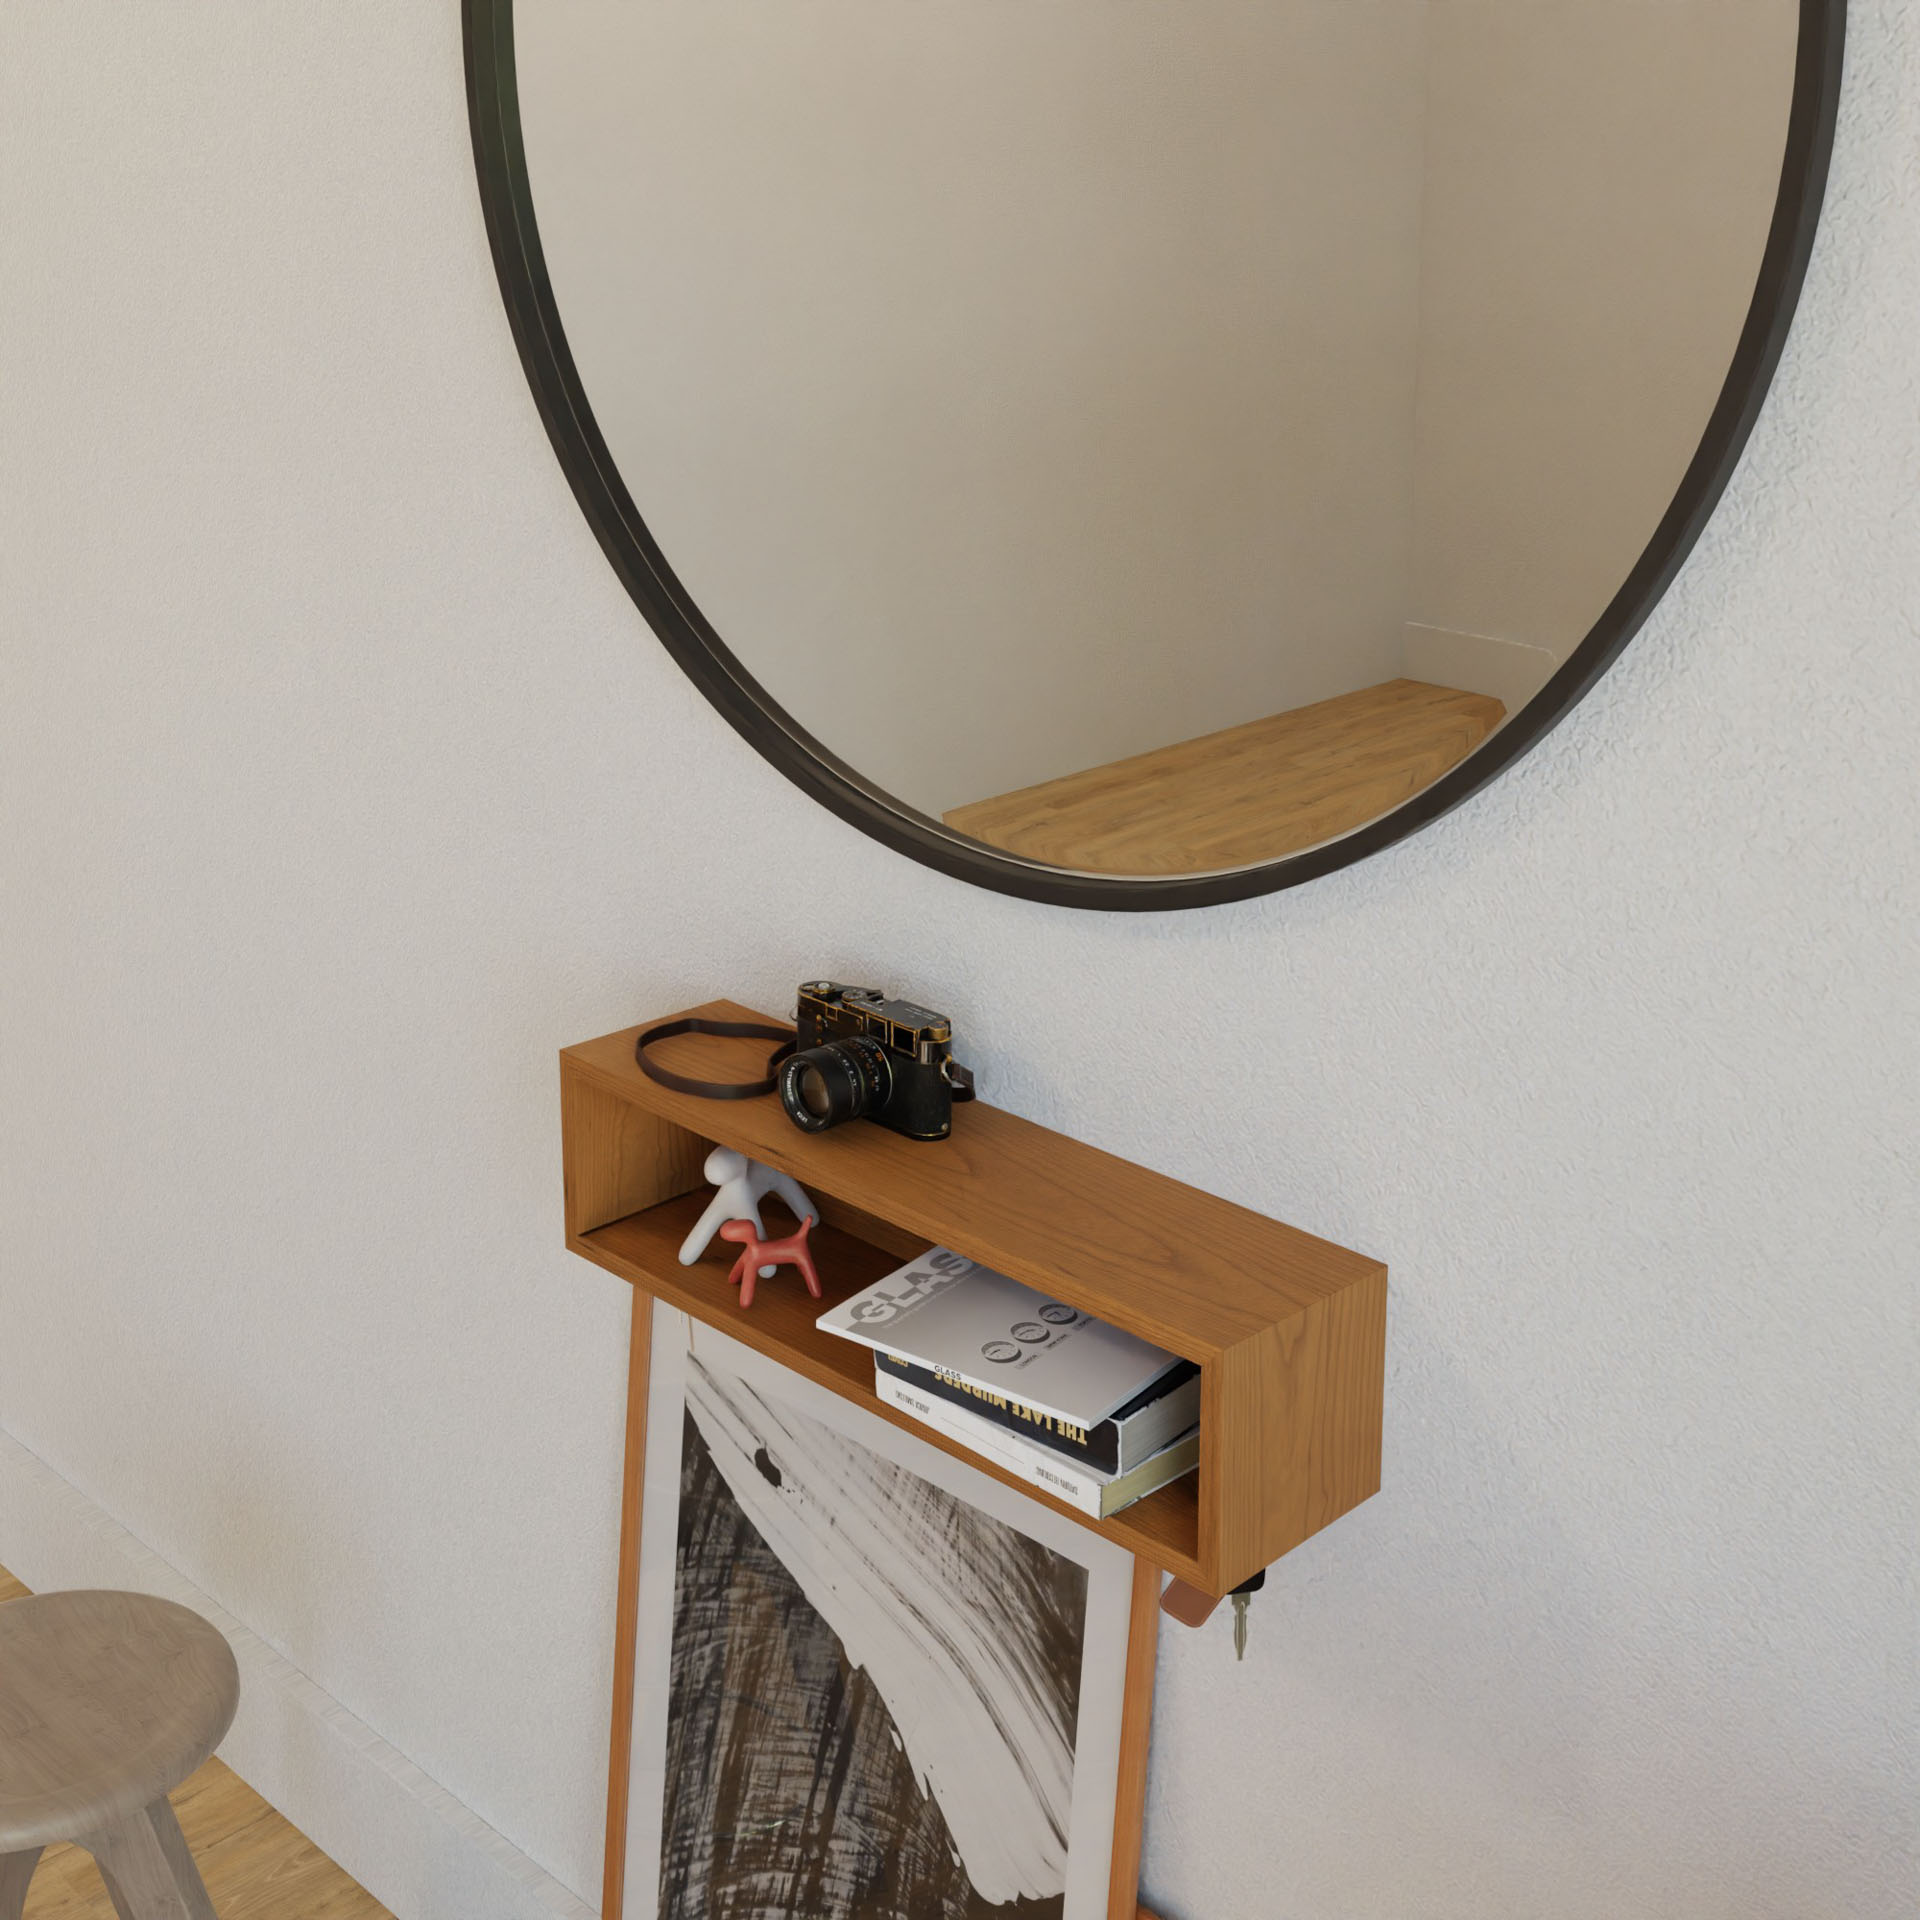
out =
column 874, row 1688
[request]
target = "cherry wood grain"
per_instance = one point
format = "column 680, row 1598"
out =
column 1179, row 1267
column 1288, row 1328
column 620, row 1155
column 1136, row 1728
column 643, row 1249
column 1305, row 1399
column 1246, row 795
column 626, row 1612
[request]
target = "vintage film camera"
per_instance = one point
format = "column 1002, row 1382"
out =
column 859, row 1055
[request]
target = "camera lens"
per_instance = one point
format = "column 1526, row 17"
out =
column 839, row 1081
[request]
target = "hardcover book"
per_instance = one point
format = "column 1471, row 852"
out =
column 1100, row 1495
column 945, row 1311
column 1130, row 1434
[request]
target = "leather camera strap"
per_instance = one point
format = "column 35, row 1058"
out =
column 725, row 1030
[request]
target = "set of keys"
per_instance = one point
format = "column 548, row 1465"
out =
column 1193, row 1607
column 1241, row 1596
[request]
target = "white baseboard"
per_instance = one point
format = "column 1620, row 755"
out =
column 1512, row 671
column 403, row 1836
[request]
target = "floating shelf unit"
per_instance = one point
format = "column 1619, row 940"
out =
column 1289, row 1331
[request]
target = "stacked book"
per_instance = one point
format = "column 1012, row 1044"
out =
column 1089, row 1414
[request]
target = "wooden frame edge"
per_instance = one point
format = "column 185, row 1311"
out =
column 1136, row 1727
column 626, row 1610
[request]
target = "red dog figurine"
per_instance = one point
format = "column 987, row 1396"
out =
column 757, row 1253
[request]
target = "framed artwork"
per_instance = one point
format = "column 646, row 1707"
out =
column 855, row 1679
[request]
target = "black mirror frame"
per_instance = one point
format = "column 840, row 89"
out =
column 507, row 201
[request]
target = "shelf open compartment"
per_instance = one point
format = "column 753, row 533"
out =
column 1288, row 1329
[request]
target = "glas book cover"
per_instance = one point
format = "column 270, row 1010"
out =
column 944, row 1311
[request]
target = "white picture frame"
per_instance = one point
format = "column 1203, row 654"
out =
column 894, row 1547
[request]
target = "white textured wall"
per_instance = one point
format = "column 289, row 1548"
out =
column 339, row 785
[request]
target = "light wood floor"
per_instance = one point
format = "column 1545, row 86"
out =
column 1250, row 794
column 256, row 1866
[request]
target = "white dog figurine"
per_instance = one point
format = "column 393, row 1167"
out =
column 743, row 1184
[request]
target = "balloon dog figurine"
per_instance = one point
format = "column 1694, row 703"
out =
column 743, row 1184
column 790, row 1252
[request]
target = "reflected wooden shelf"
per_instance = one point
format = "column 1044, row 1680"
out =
column 1244, row 795
column 1288, row 1329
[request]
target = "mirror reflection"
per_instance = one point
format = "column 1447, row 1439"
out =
column 1153, row 438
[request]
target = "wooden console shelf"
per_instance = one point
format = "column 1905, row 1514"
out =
column 1289, row 1330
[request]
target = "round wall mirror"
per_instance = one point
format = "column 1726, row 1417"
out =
column 1143, row 455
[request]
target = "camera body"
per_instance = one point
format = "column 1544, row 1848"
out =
column 859, row 1055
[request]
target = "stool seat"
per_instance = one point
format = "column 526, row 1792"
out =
column 107, row 1702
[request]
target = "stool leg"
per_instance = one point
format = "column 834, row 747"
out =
column 149, row 1872
column 186, row 1876
column 16, row 1869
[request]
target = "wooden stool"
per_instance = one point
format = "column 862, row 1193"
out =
column 107, row 1701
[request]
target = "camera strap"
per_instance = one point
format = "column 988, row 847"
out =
column 725, row 1030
